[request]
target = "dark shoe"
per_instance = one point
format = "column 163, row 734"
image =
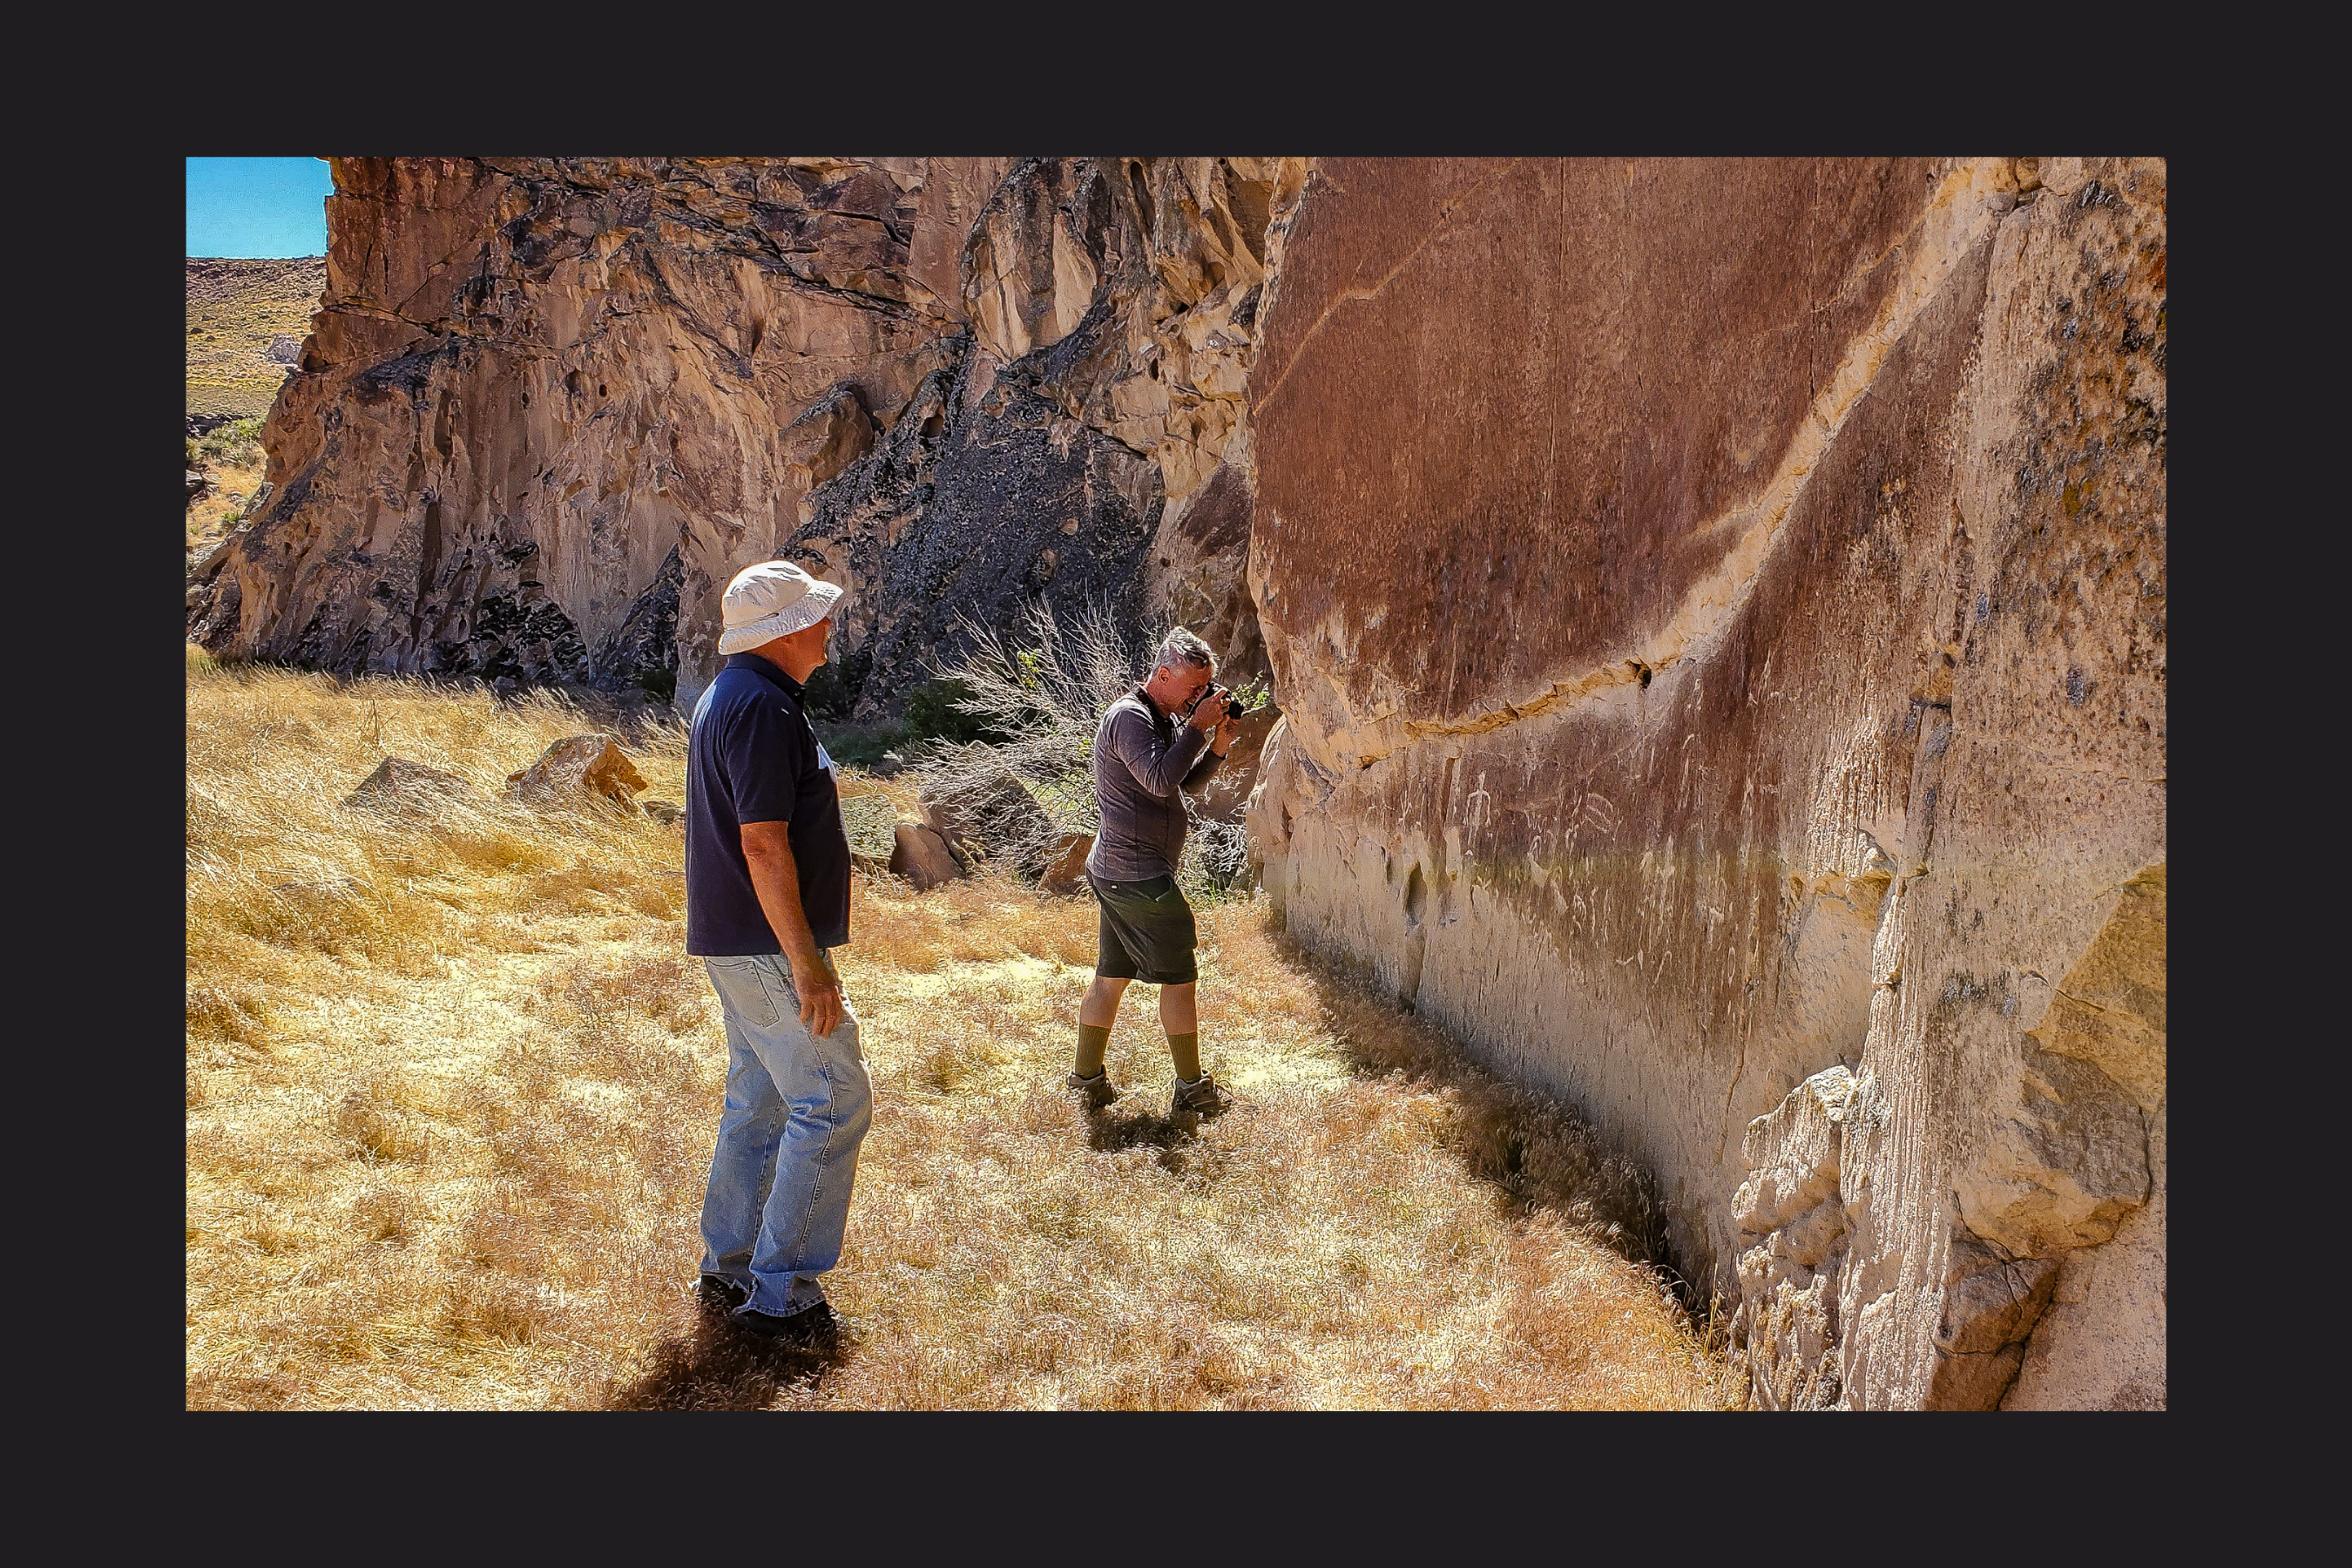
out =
column 1202, row 1097
column 1096, row 1091
column 809, row 1329
column 720, row 1294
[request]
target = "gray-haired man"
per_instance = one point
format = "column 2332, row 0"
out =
column 1167, row 733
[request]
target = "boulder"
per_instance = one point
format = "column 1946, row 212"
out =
column 669, row 813
column 1066, row 866
column 197, row 485
column 398, row 783
column 578, row 766
column 920, row 856
column 994, row 815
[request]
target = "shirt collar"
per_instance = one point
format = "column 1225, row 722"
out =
column 766, row 671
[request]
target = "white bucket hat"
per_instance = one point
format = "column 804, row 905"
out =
column 770, row 599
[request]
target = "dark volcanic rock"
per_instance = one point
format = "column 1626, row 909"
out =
column 550, row 406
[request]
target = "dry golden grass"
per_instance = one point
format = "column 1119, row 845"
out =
column 452, row 1084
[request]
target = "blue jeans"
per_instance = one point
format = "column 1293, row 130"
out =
column 798, row 1105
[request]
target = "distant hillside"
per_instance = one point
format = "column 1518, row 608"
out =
column 247, row 320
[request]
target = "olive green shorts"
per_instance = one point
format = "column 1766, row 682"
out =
column 1146, row 932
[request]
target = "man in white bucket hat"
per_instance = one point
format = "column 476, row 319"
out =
column 767, row 893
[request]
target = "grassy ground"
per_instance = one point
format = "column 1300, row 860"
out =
column 452, row 1083
column 236, row 308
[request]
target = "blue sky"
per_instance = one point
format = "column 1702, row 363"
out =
column 258, row 207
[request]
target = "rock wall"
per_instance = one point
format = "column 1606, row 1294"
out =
column 548, row 406
column 1719, row 609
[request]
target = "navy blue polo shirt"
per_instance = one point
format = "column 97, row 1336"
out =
column 752, row 757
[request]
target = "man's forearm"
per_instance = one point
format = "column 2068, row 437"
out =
column 1162, row 772
column 776, row 878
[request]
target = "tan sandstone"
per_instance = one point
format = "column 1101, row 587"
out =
column 1720, row 612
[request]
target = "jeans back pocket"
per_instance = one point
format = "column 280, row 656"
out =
column 743, row 989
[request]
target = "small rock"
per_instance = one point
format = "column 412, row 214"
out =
column 920, row 856
column 197, row 484
column 399, row 782
column 1066, row 869
column 577, row 764
column 665, row 812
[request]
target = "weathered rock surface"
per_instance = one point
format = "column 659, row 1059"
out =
column 550, row 406
column 1719, row 610
column 398, row 783
column 578, row 766
column 1066, row 866
column 991, row 817
column 919, row 854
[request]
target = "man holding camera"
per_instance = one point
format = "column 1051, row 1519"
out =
column 1149, row 748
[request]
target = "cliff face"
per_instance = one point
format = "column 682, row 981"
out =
column 1720, row 613
column 550, row 406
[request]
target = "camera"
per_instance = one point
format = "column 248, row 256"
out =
column 1218, row 701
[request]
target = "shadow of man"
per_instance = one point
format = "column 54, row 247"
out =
column 716, row 1365
column 1177, row 1139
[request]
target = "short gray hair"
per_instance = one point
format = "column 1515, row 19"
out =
column 1181, row 646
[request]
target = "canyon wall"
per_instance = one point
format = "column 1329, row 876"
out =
column 1719, row 609
column 548, row 407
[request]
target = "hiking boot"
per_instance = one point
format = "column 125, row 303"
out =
column 1202, row 1097
column 813, row 1328
column 720, row 1294
column 1096, row 1091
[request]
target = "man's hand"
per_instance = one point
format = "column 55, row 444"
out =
column 1222, row 742
column 1208, row 712
column 820, row 992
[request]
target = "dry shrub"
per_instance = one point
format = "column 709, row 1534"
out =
column 452, row 1085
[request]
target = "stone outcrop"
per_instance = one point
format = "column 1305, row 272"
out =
column 398, row 785
column 577, row 767
column 992, row 817
column 548, row 406
column 919, row 854
column 1066, row 866
column 1720, row 613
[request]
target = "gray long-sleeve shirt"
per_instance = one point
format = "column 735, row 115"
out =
column 1143, row 760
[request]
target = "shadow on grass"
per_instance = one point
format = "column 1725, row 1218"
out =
column 717, row 1366
column 1537, row 1147
column 1177, row 1139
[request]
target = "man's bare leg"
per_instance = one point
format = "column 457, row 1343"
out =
column 1096, row 1013
column 1179, row 1019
